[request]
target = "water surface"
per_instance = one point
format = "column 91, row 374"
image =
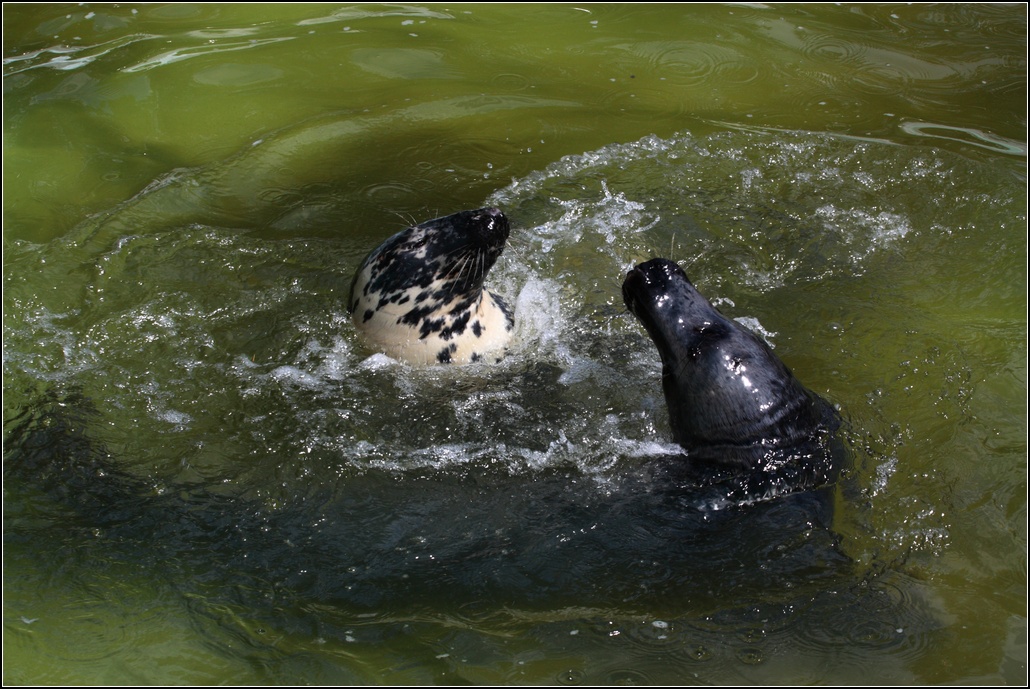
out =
column 209, row 479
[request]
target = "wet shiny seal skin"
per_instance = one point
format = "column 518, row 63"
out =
column 734, row 406
column 419, row 297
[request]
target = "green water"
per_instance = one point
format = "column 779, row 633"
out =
column 229, row 489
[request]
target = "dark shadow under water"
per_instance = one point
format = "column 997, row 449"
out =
column 466, row 540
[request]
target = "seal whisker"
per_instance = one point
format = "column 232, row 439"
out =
column 479, row 267
column 459, row 283
column 407, row 220
column 464, row 270
column 515, row 252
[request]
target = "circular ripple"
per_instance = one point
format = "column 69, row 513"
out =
column 688, row 66
column 879, row 617
column 737, row 72
column 511, row 82
column 627, row 678
column 89, row 631
column 655, row 638
column 570, row 678
column 822, row 47
column 881, row 80
column 751, row 656
column 390, row 193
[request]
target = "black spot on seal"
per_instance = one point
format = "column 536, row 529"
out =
column 419, row 297
column 734, row 406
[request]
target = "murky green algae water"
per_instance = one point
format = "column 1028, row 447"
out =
column 207, row 479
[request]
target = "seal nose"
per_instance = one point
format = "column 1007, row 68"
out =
column 651, row 275
column 492, row 222
column 661, row 271
column 631, row 287
column 491, row 216
column 652, row 284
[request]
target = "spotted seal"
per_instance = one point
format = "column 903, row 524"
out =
column 732, row 402
column 419, row 297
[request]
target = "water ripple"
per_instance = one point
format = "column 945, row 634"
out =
column 826, row 47
column 694, row 64
column 66, row 58
column 370, row 11
column 966, row 135
column 180, row 54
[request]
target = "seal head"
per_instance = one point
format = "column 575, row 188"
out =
column 419, row 297
column 731, row 401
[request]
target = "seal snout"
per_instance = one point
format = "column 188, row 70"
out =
column 493, row 212
column 632, row 287
column 647, row 286
column 491, row 225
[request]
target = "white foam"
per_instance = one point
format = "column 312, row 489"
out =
column 539, row 316
column 177, row 418
column 755, row 326
column 293, row 375
column 863, row 231
column 335, row 361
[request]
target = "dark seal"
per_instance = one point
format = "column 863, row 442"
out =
column 419, row 297
column 734, row 406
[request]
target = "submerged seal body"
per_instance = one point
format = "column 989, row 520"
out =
column 733, row 404
column 419, row 297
